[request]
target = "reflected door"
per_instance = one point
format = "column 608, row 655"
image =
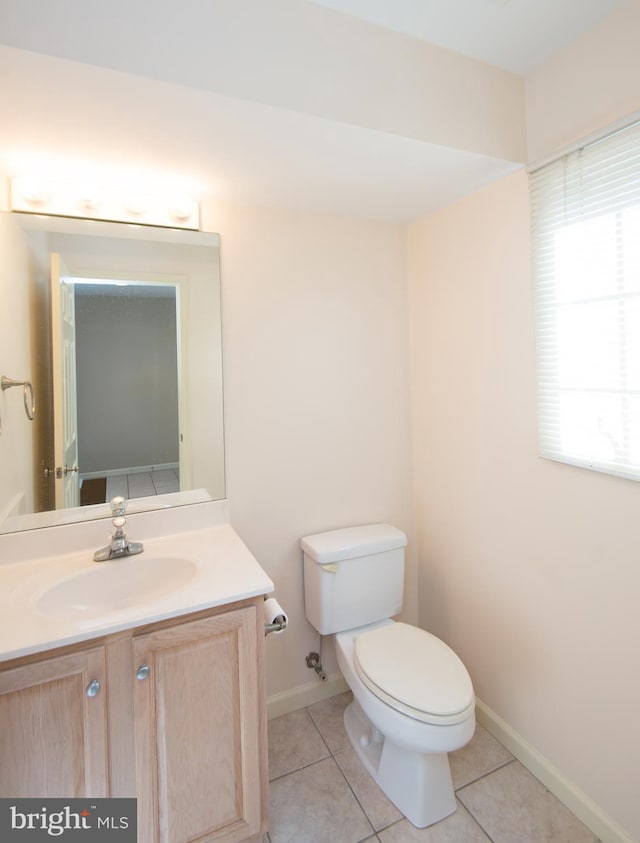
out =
column 65, row 413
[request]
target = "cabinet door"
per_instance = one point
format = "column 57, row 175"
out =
column 53, row 728
column 199, row 757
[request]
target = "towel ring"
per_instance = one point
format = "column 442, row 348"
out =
column 27, row 394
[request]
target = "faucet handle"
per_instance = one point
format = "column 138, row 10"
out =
column 118, row 505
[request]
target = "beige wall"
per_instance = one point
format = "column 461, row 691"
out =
column 316, row 393
column 591, row 83
column 16, row 438
column 528, row 568
column 315, row 337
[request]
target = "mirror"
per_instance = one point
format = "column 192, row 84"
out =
column 131, row 370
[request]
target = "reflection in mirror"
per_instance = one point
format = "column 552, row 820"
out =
column 118, row 328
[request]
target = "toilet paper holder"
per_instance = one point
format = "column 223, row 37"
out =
column 277, row 625
column 274, row 622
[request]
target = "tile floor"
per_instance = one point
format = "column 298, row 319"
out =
column 143, row 484
column 320, row 792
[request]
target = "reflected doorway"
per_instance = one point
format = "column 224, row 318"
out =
column 128, row 388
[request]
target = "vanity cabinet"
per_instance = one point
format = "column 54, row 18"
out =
column 53, row 736
column 179, row 721
column 197, row 730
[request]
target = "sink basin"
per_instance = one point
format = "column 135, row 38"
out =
column 117, row 585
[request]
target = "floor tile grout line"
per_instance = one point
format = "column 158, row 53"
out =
column 318, row 731
column 298, row 769
column 326, row 743
column 332, row 758
column 375, row 833
column 384, row 828
column 355, row 796
column 475, row 819
column 342, row 751
column 391, row 825
column 483, row 775
column 332, row 752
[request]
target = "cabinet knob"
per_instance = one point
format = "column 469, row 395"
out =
column 93, row 688
column 143, row 671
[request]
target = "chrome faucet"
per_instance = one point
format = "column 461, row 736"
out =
column 120, row 544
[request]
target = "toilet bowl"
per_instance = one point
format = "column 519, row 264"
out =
column 407, row 756
column 413, row 700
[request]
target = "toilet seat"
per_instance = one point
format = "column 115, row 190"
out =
column 415, row 673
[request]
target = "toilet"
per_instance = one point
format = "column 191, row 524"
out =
column 413, row 700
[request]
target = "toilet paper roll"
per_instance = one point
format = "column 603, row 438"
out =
column 274, row 614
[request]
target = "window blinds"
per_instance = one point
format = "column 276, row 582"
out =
column 586, row 250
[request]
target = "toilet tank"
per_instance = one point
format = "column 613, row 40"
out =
column 353, row 577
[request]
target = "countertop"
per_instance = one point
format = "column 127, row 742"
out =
column 220, row 570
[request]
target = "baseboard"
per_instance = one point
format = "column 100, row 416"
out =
column 131, row 469
column 304, row 695
column 576, row 801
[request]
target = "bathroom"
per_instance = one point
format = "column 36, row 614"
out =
column 381, row 370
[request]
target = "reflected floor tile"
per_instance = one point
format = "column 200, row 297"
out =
column 328, row 716
column 165, row 481
column 140, row 484
column 480, row 756
column 316, row 805
column 457, row 828
column 166, row 487
column 514, row 807
column 164, row 474
column 380, row 810
column 294, row 742
column 139, row 477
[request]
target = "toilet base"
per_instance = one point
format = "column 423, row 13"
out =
column 419, row 784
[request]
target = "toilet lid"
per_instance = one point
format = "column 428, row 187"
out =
column 414, row 672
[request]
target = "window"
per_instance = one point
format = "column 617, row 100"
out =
column 586, row 248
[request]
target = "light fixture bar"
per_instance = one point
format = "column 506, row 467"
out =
column 36, row 196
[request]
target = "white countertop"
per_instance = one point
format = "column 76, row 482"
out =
column 221, row 571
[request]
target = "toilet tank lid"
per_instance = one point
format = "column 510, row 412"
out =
column 352, row 542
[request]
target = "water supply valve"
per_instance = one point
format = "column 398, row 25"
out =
column 313, row 661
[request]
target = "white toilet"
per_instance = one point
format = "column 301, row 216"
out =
column 413, row 698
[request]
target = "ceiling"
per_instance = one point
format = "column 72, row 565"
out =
column 161, row 92
column 516, row 35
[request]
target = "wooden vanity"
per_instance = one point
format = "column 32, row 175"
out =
column 172, row 711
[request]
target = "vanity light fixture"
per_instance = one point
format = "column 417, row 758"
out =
column 35, row 193
column 181, row 211
column 89, row 202
column 136, row 207
column 30, row 196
